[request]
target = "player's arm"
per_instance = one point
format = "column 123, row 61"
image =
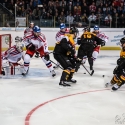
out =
column 67, row 46
column 7, row 53
column 99, row 41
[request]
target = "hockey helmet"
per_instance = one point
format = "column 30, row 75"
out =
column 19, row 46
column 124, row 32
column 96, row 27
column 36, row 29
column 73, row 30
column 62, row 26
column 87, row 29
column 122, row 40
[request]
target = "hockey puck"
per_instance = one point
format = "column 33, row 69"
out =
column 103, row 75
column 84, row 73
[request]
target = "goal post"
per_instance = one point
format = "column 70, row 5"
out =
column 5, row 43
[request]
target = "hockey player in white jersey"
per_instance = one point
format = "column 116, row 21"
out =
column 36, row 42
column 60, row 34
column 29, row 30
column 13, row 56
column 102, row 36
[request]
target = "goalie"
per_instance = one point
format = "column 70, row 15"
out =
column 13, row 56
column 119, row 72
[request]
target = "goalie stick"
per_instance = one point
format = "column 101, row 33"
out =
column 88, row 71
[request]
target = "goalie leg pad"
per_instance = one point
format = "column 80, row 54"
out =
column 5, row 63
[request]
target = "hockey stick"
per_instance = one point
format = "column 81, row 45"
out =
column 88, row 71
column 56, row 64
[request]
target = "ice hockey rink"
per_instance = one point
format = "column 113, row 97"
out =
column 37, row 98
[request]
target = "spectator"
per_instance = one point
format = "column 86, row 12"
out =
column 36, row 3
column 85, row 9
column 115, row 19
column 61, row 18
column 69, row 19
column 84, row 18
column 120, row 11
column 62, row 2
column 78, row 2
column 92, row 18
column 77, row 9
column 77, row 18
column 122, row 21
column 108, row 20
column 70, row 7
column 92, row 7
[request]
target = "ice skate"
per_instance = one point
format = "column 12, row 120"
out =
column 115, row 87
column 25, row 72
column 53, row 73
column 63, row 84
column 3, row 73
column 71, row 80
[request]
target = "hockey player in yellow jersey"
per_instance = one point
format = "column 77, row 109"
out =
column 119, row 72
column 87, row 45
column 64, row 52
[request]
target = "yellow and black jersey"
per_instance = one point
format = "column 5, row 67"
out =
column 122, row 54
column 65, row 45
column 89, row 37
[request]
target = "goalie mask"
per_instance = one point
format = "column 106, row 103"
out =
column 18, row 39
column 19, row 46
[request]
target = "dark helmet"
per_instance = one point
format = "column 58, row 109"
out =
column 87, row 29
column 122, row 40
column 124, row 32
column 73, row 30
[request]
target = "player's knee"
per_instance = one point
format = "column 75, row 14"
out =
column 95, row 55
column 27, row 58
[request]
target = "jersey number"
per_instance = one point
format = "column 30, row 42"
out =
column 87, row 36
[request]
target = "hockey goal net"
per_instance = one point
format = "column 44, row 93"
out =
column 5, row 43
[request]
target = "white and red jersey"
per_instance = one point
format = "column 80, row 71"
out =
column 59, row 36
column 12, row 55
column 28, row 30
column 102, row 36
column 39, row 41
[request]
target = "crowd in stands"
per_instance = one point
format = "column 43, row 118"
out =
column 79, row 12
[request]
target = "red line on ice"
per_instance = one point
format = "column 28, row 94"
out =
column 27, row 119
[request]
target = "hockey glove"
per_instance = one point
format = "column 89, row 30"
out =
column 78, row 41
column 47, row 57
column 31, row 47
column 103, row 43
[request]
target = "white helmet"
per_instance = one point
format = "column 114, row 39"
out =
column 19, row 46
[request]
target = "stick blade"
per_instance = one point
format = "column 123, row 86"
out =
column 92, row 72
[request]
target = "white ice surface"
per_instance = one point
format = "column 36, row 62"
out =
column 88, row 106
